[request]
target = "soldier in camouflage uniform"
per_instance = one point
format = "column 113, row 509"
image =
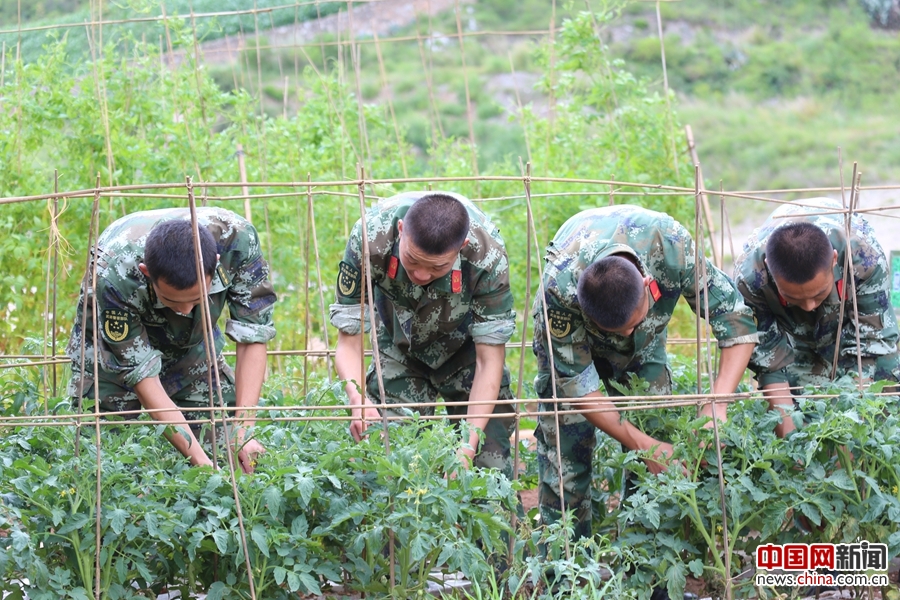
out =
column 440, row 277
column 794, row 281
column 648, row 261
column 150, row 334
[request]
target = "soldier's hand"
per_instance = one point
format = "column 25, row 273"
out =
column 363, row 416
column 660, row 462
column 202, row 460
column 248, row 454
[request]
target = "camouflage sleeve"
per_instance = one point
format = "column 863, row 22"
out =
column 345, row 312
column 773, row 353
column 576, row 375
column 124, row 349
column 251, row 298
column 730, row 319
column 878, row 332
column 494, row 320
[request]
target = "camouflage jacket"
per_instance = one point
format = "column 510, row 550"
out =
column 784, row 329
column 665, row 251
column 137, row 334
column 430, row 323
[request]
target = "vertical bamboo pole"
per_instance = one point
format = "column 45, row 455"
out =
column 854, row 204
column 308, row 319
column 704, row 198
column 662, row 52
column 245, row 190
column 512, row 70
column 436, row 126
column 320, row 287
column 704, row 275
column 87, row 291
column 526, row 181
column 212, row 366
column 390, row 103
column 848, row 265
column 98, row 490
column 469, row 117
column 373, row 334
column 356, row 59
column 54, row 228
column 697, row 273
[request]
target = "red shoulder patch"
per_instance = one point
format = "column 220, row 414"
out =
column 654, row 290
column 393, row 265
column 456, row 281
column 840, row 289
column 782, row 300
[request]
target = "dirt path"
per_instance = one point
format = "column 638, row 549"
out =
column 364, row 19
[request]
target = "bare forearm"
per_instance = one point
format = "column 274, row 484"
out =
column 779, row 397
column 485, row 384
column 348, row 361
column 732, row 367
column 249, row 374
column 153, row 397
column 608, row 420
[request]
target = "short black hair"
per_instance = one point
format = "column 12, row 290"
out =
column 169, row 253
column 797, row 252
column 609, row 291
column 437, row 224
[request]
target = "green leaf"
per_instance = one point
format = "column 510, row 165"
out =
column 258, row 534
column 220, row 536
column 293, row 581
column 78, row 522
column 811, row 512
column 274, row 500
column 117, row 520
column 280, row 573
column 696, row 567
column 216, row 591
column 841, row 480
column 306, row 486
column 419, row 548
column 310, row 584
column 299, row 527
column 675, row 579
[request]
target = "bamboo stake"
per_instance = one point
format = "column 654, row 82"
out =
column 512, row 70
column 212, row 367
column 662, row 52
column 704, row 274
column 93, row 235
column 98, row 489
column 355, row 59
column 376, row 359
column 846, row 268
column 308, row 319
column 390, row 103
column 462, row 54
column 704, row 198
column 526, row 180
column 321, row 287
column 854, row 200
column 436, row 126
column 242, row 169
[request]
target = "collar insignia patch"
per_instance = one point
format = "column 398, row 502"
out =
column 393, row 265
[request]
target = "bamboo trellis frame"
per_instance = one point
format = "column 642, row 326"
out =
column 350, row 44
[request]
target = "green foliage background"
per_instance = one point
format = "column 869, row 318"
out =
column 135, row 123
